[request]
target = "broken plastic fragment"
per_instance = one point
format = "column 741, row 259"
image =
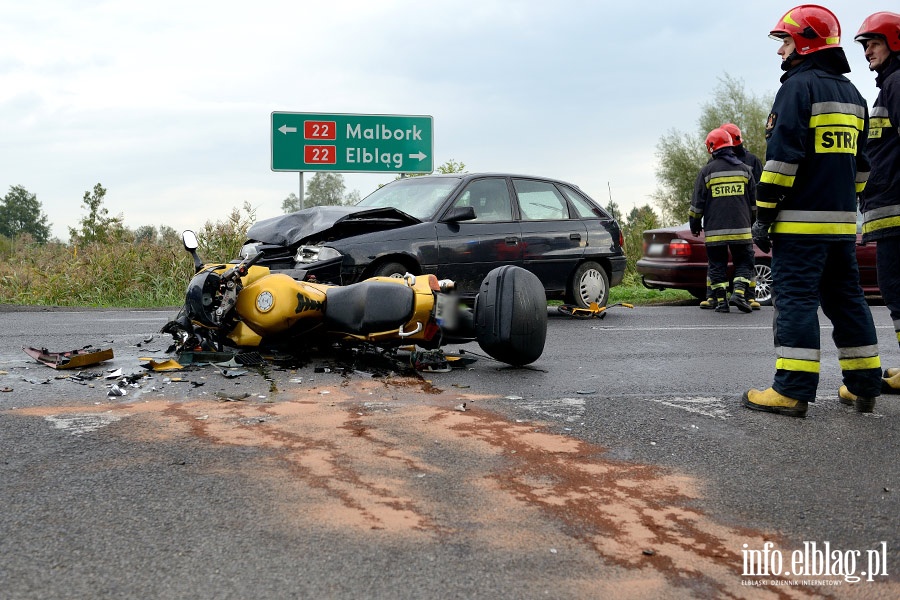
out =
column 165, row 365
column 70, row 359
column 232, row 373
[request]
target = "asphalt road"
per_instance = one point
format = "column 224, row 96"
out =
column 620, row 464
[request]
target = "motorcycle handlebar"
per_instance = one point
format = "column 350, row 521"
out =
column 249, row 263
column 241, row 269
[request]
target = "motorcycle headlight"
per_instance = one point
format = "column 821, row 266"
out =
column 311, row 254
column 249, row 250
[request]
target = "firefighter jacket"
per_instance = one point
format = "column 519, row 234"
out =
column 880, row 203
column 816, row 162
column 723, row 198
column 751, row 160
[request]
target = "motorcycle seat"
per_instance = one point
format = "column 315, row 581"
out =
column 368, row 307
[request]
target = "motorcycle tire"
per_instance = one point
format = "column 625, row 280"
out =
column 511, row 315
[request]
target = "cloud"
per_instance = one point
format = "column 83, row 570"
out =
column 168, row 104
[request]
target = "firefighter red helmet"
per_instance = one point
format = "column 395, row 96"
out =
column 881, row 24
column 735, row 132
column 717, row 139
column 812, row 28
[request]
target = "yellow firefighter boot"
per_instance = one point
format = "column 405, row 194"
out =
column 771, row 401
column 862, row 404
column 751, row 296
column 708, row 303
column 890, row 383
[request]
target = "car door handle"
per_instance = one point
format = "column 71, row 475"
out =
column 512, row 241
column 574, row 236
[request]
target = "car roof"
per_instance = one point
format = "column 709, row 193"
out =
column 494, row 174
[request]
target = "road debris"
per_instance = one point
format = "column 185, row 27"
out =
column 594, row 311
column 70, row 359
column 164, row 365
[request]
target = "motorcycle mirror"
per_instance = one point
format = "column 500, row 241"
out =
column 190, row 240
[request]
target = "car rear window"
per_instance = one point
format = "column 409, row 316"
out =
column 584, row 207
column 540, row 200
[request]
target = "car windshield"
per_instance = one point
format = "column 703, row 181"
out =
column 419, row 197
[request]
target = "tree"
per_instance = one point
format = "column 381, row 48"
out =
column 681, row 155
column 97, row 225
column 451, row 166
column 290, row 204
column 20, row 212
column 639, row 220
column 615, row 212
column 325, row 189
column 352, row 199
column 145, row 234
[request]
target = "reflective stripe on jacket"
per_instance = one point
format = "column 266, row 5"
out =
column 723, row 196
column 880, row 203
column 816, row 159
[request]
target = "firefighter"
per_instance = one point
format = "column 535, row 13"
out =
column 880, row 202
column 748, row 158
column 815, row 166
column 751, row 160
column 722, row 205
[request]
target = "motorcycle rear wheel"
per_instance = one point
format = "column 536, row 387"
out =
column 511, row 315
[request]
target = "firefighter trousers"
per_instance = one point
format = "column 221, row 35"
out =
column 717, row 255
column 805, row 274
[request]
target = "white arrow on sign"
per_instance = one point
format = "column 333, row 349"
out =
column 286, row 130
column 421, row 156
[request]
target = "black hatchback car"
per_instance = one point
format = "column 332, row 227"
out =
column 457, row 226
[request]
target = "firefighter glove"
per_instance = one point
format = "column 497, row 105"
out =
column 695, row 223
column 760, row 232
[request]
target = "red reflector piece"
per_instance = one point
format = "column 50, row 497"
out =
column 679, row 248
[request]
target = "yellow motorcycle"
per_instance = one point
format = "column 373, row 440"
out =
column 246, row 305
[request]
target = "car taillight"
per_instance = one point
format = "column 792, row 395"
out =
column 679, row 248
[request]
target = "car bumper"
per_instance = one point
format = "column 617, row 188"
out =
column 617, row 266
column 665, row 275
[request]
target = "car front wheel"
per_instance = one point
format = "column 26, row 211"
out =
column 390, row 269
column 589, row 283
column 764, row 282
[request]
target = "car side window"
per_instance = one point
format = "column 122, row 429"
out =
column 540, row 200
column 490, row 199
column 584, row 208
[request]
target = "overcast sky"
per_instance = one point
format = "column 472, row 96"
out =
column 168, row 104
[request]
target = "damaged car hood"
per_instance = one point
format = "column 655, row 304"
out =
column 327, row 222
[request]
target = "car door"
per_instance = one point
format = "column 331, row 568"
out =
column 468, row 250
column 553, row 243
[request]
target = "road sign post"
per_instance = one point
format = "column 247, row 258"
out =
column 351, row 143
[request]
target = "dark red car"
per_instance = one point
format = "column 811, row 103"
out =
column 674, row 258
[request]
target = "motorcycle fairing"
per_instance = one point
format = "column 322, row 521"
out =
column 326, row 222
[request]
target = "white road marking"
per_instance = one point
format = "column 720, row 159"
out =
column 707, row 406
column 567, row 409
column 76, row 424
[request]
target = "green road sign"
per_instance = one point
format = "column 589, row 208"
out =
column 348, row 143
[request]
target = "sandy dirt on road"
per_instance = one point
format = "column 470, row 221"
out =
column 399, row 458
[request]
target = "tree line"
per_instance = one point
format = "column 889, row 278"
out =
column 679, row 154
